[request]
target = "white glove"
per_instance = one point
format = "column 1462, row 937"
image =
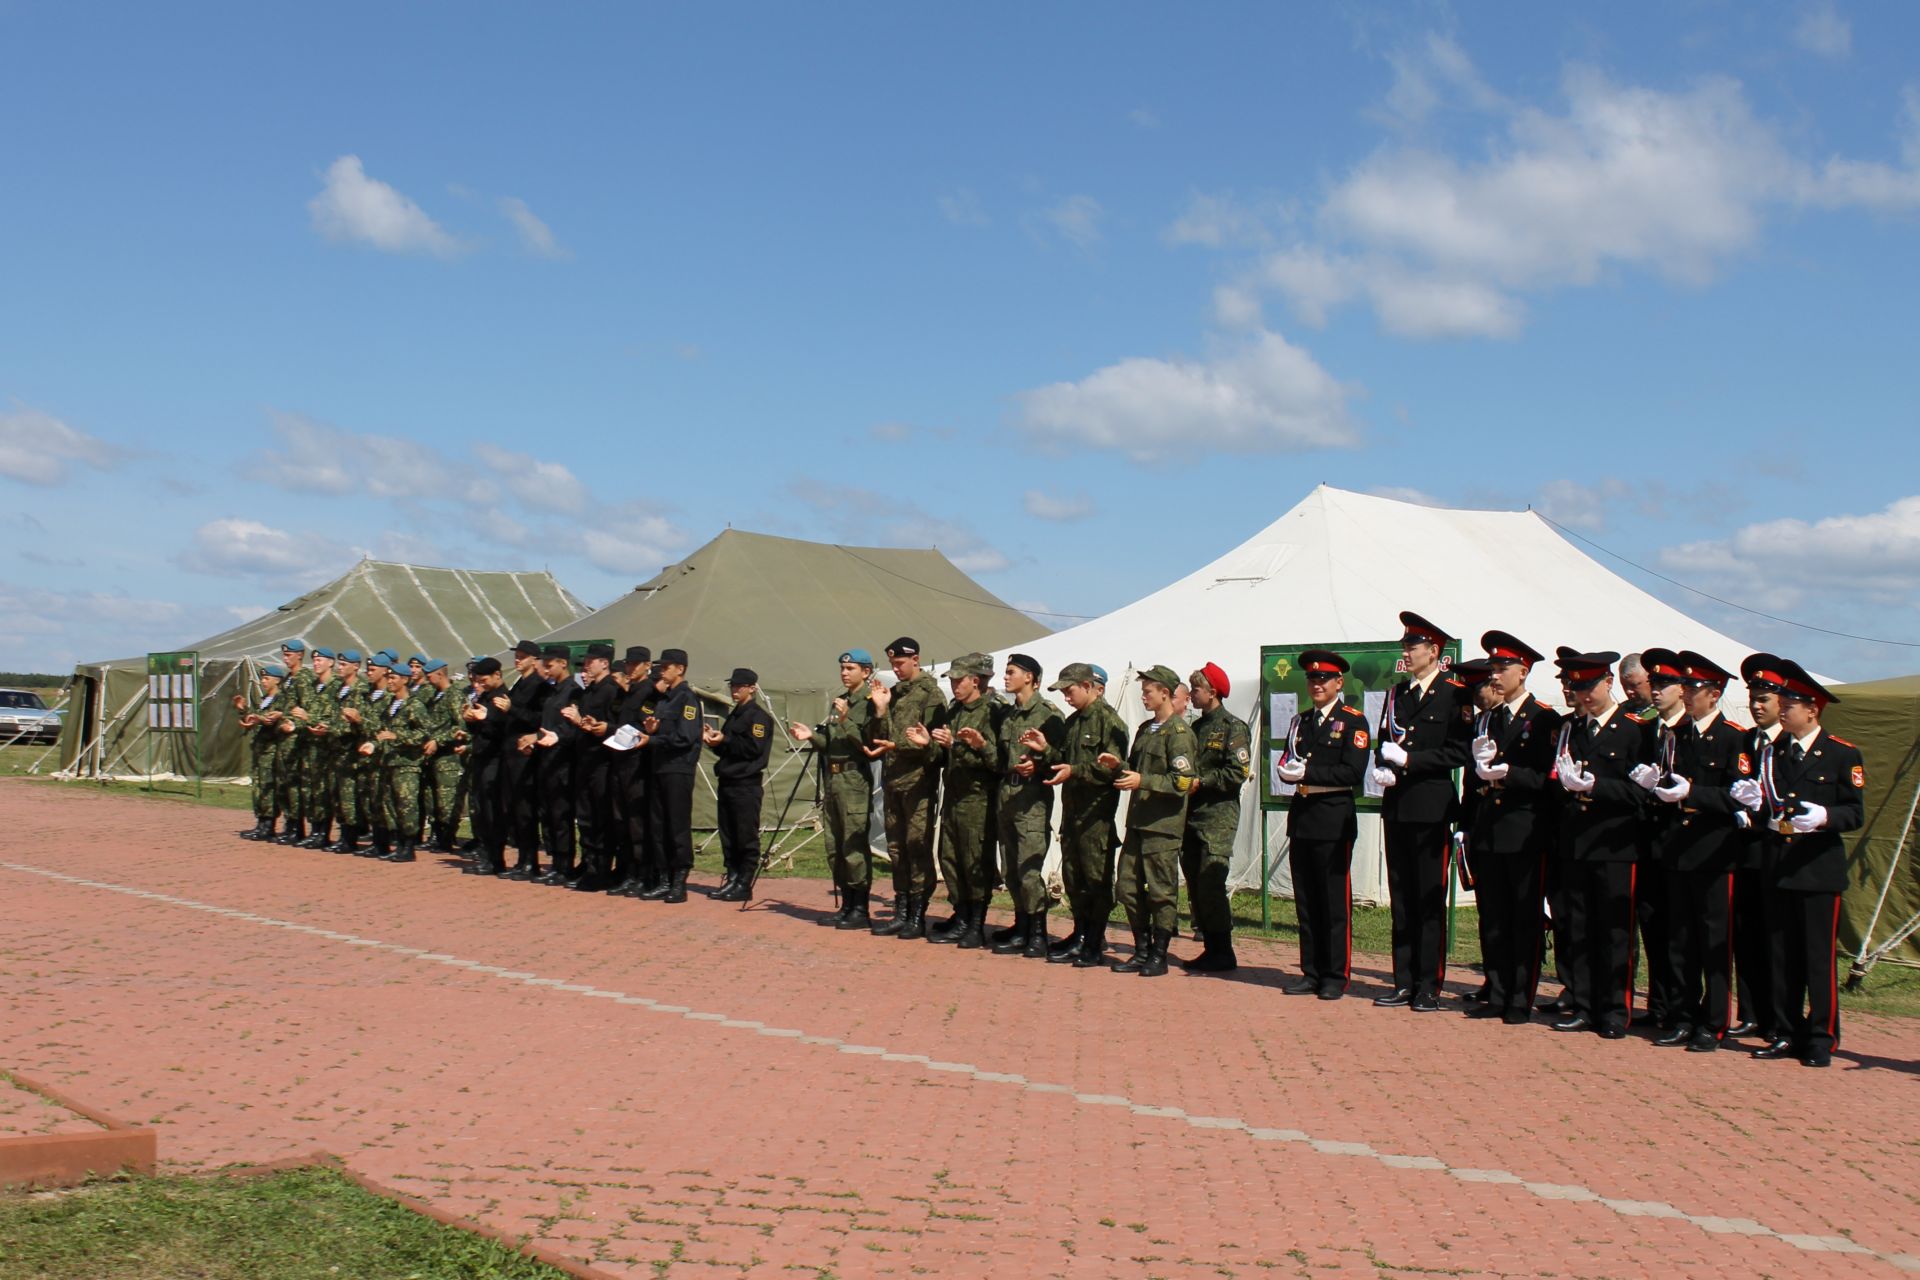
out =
column 1393, row 753
column 1747, row 793
column 1644, row 776
column 1742, row 819
column 1813, row 818
column 1492, row 772
column 1384, row 778
column 1676, row 791
column 1574, row 778
column 1293, row 771
column 1484, row 749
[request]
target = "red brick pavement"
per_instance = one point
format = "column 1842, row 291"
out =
column 590, row 1099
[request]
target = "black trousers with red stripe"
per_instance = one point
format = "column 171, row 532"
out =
column 1507, row 888
column 1419, row 860
column 1752, row 962
column 1323, row 897
column 1600, row 931
column 1700, row 933
column 1804, row 929
column 1653, row 909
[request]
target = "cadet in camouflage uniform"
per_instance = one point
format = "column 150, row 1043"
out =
column 365, row 713
column 1087, row 805
column 440, row 708
column 397, row 747
column 848, row 789
column 344, row 739
column 1213, row 817
column 898, row 733
column 298, row 689
column 1160, row 774
column 1030, row 731
column 322, row 740
column 263, row 714
column 969, row 744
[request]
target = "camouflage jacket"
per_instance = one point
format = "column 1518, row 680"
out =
column 1163, row 755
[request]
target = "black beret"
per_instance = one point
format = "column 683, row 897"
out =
column 526, row 649
column 600, row 651
column 486, row 667
column 557, row 651
column 743, row 675
column 1025, row 663
column 639, row 653
column 904, row 647
column 673, row 657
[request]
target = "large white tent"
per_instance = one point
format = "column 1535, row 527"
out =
column 1339, row 567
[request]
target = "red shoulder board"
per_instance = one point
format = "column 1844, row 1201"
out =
column 1842, row 741
column 1737, row 727
column 1354, row 711
column 1458, row 684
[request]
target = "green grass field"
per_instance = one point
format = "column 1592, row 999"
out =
column 1889, row 989
column 304, row 1224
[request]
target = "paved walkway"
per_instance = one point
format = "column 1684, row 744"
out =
column 702, row 1091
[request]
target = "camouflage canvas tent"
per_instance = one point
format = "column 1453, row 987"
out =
column 1880, row 914
column 787, row 609
column 444, row 613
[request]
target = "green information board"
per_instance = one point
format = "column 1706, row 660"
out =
column 1377, row 667
column 173, row 714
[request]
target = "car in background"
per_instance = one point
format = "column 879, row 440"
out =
column 25, row 717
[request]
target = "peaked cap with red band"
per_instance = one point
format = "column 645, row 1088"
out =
column 1323, row 662
column 1586, row 668
column 1702, row 670
column 1801, row 686
column 1663, row 662
column 1504, row 646
column 1764, row 673
column 1474, row 671
column 1419, row 629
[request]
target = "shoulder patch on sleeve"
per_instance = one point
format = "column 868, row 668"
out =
column 690, row 711
column 1859, row 776
column 1182, row 763
column 1744, row 764
column 1360, row 739
column 1243, row 755
column 759, row 730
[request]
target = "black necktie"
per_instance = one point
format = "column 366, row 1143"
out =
column 1502, row 717
column 1795, row 752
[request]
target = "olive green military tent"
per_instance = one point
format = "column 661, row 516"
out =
column 443, row 613
column 1880, row 914
column 787, row 609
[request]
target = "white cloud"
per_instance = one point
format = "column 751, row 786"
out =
column 38, row 448
column 235, row 547
column 1057, row 506
column 1076, row 219
column 1581, row 506
column 1257, row 395
column 1616, row 177
column 962, row 208
column 855, row 514
column 1144, row 117
column 42, row 630
column 1405, row 493
column 1877, row 554
column 631, row 540
column 536, row 237
column 1821, row 30
column 310, row 456
column 354, row 208
column 542, row 486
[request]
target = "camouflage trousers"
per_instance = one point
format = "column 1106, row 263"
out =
column 1086, row 859
column 1149, row 879
column 909, row 820
column 295, row 761
column 848, row 805
column 966, row 845
column 269, row 777
column 1024, row 829
column 1205, row 854
column 400, row 795
column 446, row 772
column 325, row 763
column 358, row 793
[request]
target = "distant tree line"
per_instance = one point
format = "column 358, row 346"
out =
column 31, row 680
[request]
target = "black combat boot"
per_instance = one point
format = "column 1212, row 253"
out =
column 1215, row 957
column 915, row 926
column 1136, row 962
column 1015, row 933
column 294, row 832
column 751, row 877
column 891, row 927
column 402, row 850
column 858, row 916
column 262, row 830
column 1156, row 962
column 973, row 936
column 1063, row 951
column 1036, row 948
column 676, row 888
column 1093, row 944
column 1011, row 941
column 839, row 917
column 953, row 929
column 319, row 836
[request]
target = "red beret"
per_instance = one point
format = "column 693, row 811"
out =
column 1217, row 678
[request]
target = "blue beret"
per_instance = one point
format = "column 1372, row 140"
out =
column 350, row 656
column 380, row 659
column 275, row 670
column 296, row 644
column 860, row 656
column 323, row 653
column 1099, row 672
column 418, row 657
column 433, row 664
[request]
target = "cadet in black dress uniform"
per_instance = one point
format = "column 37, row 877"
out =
column 740, row 749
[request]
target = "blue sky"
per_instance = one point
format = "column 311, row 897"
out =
column 1082, row 295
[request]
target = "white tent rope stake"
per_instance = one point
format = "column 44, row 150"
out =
column 1871, row 955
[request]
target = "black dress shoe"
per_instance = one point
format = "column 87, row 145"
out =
column 1679, row 1035
column 1485, row 1011
column 1613, row 1033
column 1302, row 987
column 1559, row 1004
column 1781, row 1048
column 518, row 873
column 1331, row 992
column 1816, row 1060
column 1741, row 1030
column 1704, row 1041
column 1425, row 1002
column 1484, row 994
column 1516, row 1017
column 1394, row 999
column 1574, row 1022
